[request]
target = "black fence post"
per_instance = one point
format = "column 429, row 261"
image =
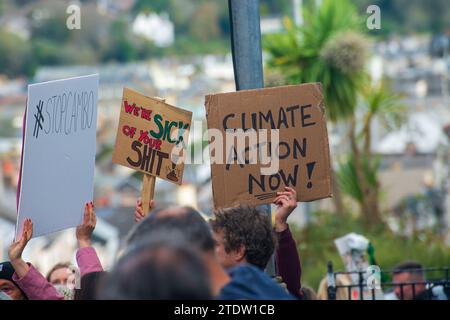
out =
column 331, row 282
column 361, row 285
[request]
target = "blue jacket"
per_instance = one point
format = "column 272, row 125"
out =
column 251, row 283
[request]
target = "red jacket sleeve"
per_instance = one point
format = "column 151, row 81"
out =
column 288, row 262
column 88, row 261
column 36, row 287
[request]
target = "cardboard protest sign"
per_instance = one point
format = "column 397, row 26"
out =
column 290, row 127
column 152, row 136
column 58, row 156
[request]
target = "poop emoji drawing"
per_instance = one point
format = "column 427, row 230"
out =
column 172, row 175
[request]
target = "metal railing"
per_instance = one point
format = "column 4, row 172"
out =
column 358, row 288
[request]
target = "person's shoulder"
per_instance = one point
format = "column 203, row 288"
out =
column 247, row 271
column 250, row 282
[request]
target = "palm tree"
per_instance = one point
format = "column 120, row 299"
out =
column 330, row 49
column 358, row 175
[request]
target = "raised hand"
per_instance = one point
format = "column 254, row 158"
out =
column 16, row 248
column 86, row 228
column 139, row 210
column 286, row 202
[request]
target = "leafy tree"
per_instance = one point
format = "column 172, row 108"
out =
column 47, row 52
column 48, row 21
column 16, row 56
column 181, row 14
column 120, row 47
column 204, row 25
column 151, row 6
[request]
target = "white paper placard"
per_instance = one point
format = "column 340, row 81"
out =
column 59, row 153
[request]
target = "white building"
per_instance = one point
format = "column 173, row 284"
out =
column 157, row 28
column 422, row 129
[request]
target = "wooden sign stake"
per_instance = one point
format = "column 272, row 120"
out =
column 148, row 192
column 148, row 186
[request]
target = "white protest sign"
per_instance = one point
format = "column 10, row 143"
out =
column 59, row 153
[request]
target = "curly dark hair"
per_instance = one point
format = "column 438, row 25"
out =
column 247, row 226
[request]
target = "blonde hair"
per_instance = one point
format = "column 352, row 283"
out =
column 308, row 293
column 341, row 293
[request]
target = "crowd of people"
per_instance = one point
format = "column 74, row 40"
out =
column 174, row 253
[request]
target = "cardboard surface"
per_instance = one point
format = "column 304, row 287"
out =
column 152, row 136
column 304, row 161
column 58, row 154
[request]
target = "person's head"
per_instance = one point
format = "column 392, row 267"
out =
column 158, row 268
column 184, row 220
column 7, row 285
column 59, row 274
column 243, row 235
column 89, row 286
column 187, row 224
column 405, row 273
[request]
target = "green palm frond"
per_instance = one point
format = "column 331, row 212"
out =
column 387, row 106
column 348, row 180
column 298, row 54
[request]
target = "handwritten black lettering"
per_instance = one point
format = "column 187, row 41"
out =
column 146, row 158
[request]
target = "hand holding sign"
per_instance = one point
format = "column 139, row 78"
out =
column 286, row 202
column 86, row 228
column 139, row 212
column 16, row 249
